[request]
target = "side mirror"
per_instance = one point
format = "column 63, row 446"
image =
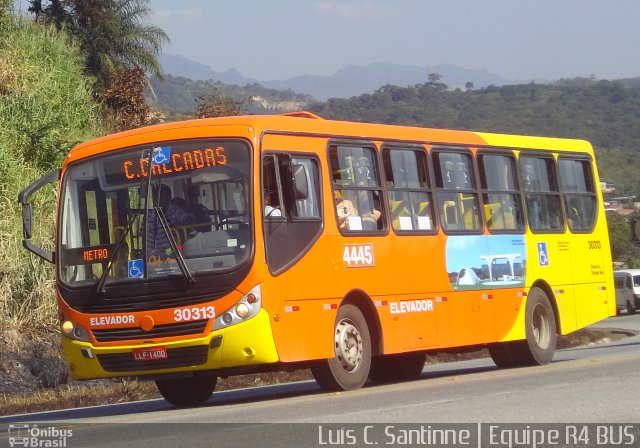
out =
column 27, row 213
column 300, row 184
column 26, row 221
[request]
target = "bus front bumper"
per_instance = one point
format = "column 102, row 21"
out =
column 244, row 344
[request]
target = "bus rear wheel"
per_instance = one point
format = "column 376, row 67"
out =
column 394, row 368
column 504, row 354
column 349, row 368
column 540, row 343
column 186, row 392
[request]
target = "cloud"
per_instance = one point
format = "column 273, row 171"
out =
column 163, row 14
column 191, row 14
column 368, row 9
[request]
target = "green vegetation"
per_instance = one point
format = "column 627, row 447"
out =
column 178, row 96
column 603, row 112
column 112, row 34
column 46, row 108
column 623, row 248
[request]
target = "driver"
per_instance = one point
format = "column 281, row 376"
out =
column 177, row 214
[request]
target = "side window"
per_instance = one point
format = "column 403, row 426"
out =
column 407, row 181
column 500, row 193
column 291, row 207
column 280, row 175
column 456, row 191
column 308, row 207
column 271, row 193
column 542, row 196
column 357, row 191
column 578, row 187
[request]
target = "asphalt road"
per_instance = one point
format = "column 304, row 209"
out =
column 598, row 384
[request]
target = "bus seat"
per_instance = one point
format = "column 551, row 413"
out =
column 470, row 219
column 509, row 219
column 469, row 212
column 450, row 214
column 494, row 216
column 424, row 208
column 398, row 209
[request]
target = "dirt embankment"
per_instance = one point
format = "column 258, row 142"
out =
column 34, row 377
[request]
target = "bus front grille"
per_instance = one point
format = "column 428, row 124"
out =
column 159, row 331
column 177, row 357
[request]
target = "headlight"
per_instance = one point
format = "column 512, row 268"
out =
column 73, row 331
column 246, row 308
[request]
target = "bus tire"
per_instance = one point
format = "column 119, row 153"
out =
column 502, row 354
column 394, row 368
column 349, row 368
column 187, row 392
column 540, row 325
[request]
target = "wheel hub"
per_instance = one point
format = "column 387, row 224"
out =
column 348, row 345
column 541, row 327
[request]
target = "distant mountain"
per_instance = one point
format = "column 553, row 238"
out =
column 355, row 80
column 180, row 66
column 350, row 81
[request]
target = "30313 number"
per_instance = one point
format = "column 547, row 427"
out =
column 194, row 313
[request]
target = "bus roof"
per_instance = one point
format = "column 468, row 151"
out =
column 309, row 123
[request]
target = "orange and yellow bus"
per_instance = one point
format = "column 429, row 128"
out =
column 193, row 250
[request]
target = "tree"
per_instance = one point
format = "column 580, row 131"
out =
column 434, row 81
column 112, row 34
column 623, row 248
column 125, row 96
column 214, row 104
column 434, row 78
column 468, row 86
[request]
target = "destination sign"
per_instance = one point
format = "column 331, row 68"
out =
column 174, row 162
column 88, row 255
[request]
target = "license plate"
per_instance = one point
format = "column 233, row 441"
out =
column 150, row 354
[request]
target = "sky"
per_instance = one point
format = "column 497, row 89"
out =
column 516, row 39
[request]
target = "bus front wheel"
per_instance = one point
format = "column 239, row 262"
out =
column 349, row 368
column 186, row 392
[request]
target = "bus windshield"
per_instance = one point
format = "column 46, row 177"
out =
column 129, row 212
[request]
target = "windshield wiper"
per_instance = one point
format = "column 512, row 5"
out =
column 174, row 246
column 103, row 278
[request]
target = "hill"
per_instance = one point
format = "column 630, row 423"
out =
column 603, row 112
column 180, row 66
column 177, row 95
column 356, row 80
column 349, row 81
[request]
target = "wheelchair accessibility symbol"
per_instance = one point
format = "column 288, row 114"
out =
column 161, row 155
column 136, row 268
column 543, row 255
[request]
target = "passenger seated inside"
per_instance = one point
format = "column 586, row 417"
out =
column 345, row 209
column 369, row 206
column 271, row 210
